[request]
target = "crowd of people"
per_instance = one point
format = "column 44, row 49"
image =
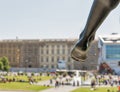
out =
column 96, row 80
column 107, row 79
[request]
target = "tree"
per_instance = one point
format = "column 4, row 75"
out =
column 5, row 62
column 1, row 66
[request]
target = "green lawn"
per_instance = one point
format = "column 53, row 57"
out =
column 21, row 86
column 98, row 89
column 24, row 85
column 25, row 78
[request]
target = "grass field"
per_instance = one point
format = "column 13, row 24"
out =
column 24, row 85
column 21, row 86
column 98, row 89
column 25, row 78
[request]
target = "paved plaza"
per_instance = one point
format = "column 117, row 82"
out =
column 65, row 88
column 60, row 89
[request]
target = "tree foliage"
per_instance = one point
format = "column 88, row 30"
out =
column 1, row 66
column 4, row 64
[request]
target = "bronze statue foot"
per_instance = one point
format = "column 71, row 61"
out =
column 78, row 54
column 79, row 51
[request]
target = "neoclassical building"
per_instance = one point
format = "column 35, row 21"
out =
column 52, row 51
column 20, row 53
column 45, row 54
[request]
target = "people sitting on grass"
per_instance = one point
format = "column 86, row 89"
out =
column 31, row 80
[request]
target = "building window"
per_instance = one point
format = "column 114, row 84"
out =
column 112, row 51
column 63, row 46
column 52, row 51
column 58, row 59
column 69, row 50
column 52, row 66
column 63, row 51
column 47, row 66
column 47, row 46
column 52, row 59
column 58, row 52
column 41, row 59
column 47, row 51
column 30, row 66
column 69, row 67
column 58, row 46
column 41, row 66
column 63, row 58
column 46, row 59
column 119, row 63
column 41, row 51
column 68, row 59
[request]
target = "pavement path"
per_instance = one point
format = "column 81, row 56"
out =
column 65, row 88
column 60, row 89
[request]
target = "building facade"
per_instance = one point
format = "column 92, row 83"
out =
column 109, row 51
column 53, row 51
column 45, row 55
column 20, row 53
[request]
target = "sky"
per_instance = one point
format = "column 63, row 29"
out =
column 50, row 19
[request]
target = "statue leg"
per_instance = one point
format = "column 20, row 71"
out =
column 99, row 11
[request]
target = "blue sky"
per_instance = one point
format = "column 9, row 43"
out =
column 50, row 19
